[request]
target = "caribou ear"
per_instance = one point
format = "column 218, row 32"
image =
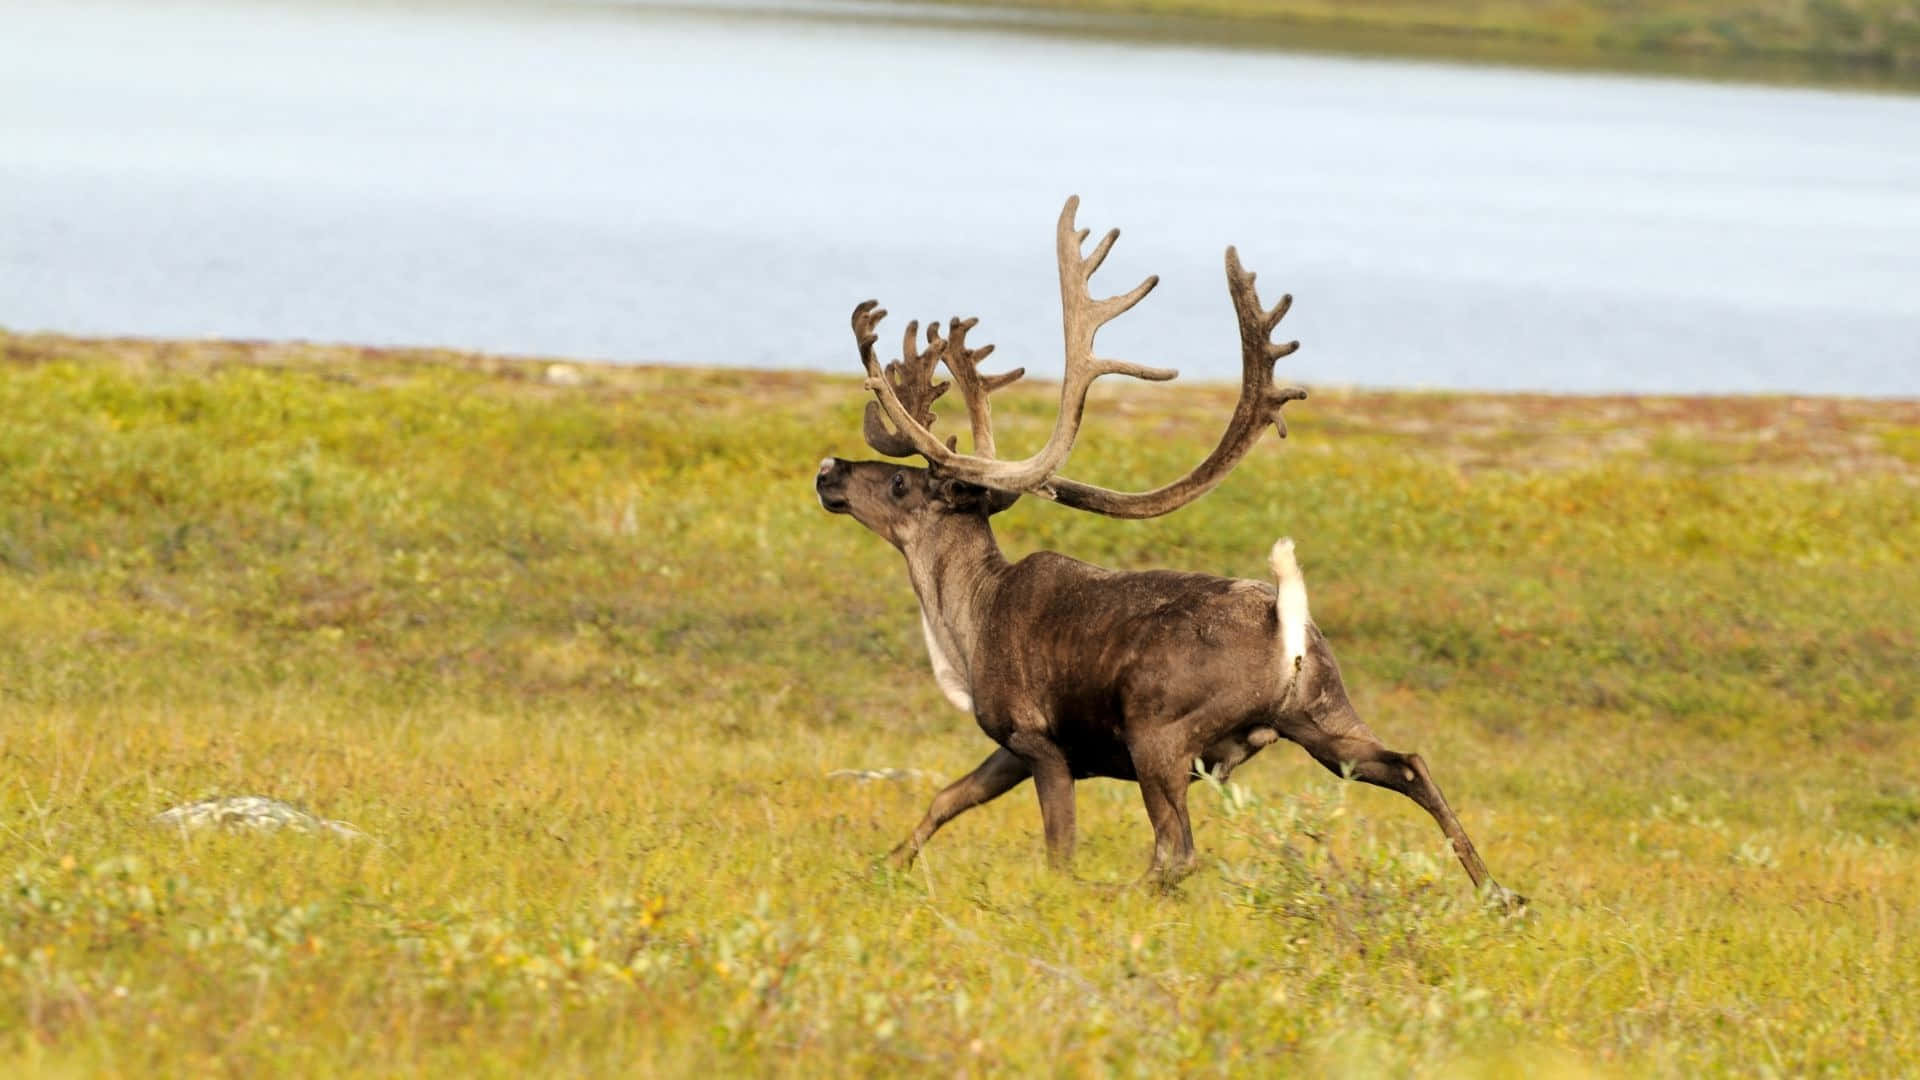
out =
column 972, row 498
column 958, row 493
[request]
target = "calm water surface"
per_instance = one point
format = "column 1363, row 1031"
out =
column 639, row 183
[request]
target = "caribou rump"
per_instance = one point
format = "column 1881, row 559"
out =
column 1077, row 671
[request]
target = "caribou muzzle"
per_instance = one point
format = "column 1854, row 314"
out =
column 830, row 484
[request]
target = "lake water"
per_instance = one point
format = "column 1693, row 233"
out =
column 639, row 183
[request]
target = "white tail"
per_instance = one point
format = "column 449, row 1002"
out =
column 1292, row 607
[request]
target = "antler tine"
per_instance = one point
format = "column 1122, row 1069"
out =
column 1260, row 404
column 1082, row 315
column 963, row 365
column 908, row 382
column 1258, row 350
column 1081, row 318
column 1100, row 250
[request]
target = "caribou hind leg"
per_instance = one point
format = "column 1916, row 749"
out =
column 1361, row 756
column 1339, row 740
column 1164, row 769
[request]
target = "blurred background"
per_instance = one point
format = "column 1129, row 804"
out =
column 1644, row 196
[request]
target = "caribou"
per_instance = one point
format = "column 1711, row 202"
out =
column 1077, row 671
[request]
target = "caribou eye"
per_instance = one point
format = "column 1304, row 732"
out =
column 899, row 485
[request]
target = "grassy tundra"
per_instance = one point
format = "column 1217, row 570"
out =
column 582, row 660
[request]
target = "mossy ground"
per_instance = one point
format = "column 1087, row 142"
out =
column 580, row 659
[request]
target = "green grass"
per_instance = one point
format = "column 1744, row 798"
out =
column 580, row 661
column 1801, row 40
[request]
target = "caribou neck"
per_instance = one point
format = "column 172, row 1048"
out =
column 955, row 567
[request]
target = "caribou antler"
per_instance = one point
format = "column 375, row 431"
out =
column 909, row 380
column 963, row 364
column 1083, row 317
column 1259, row 405
column 904, row 392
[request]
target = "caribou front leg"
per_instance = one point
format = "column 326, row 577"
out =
column 1000, row 773
column 1053, row 780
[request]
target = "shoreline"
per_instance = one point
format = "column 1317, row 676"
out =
column 1673, row 39
column 1474, row 430
column 28, row 347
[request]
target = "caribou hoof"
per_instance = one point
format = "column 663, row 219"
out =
column 900, row 858
column 1505, row 900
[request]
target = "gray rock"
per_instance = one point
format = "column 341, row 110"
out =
column 876, row 774
column 252, row 812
